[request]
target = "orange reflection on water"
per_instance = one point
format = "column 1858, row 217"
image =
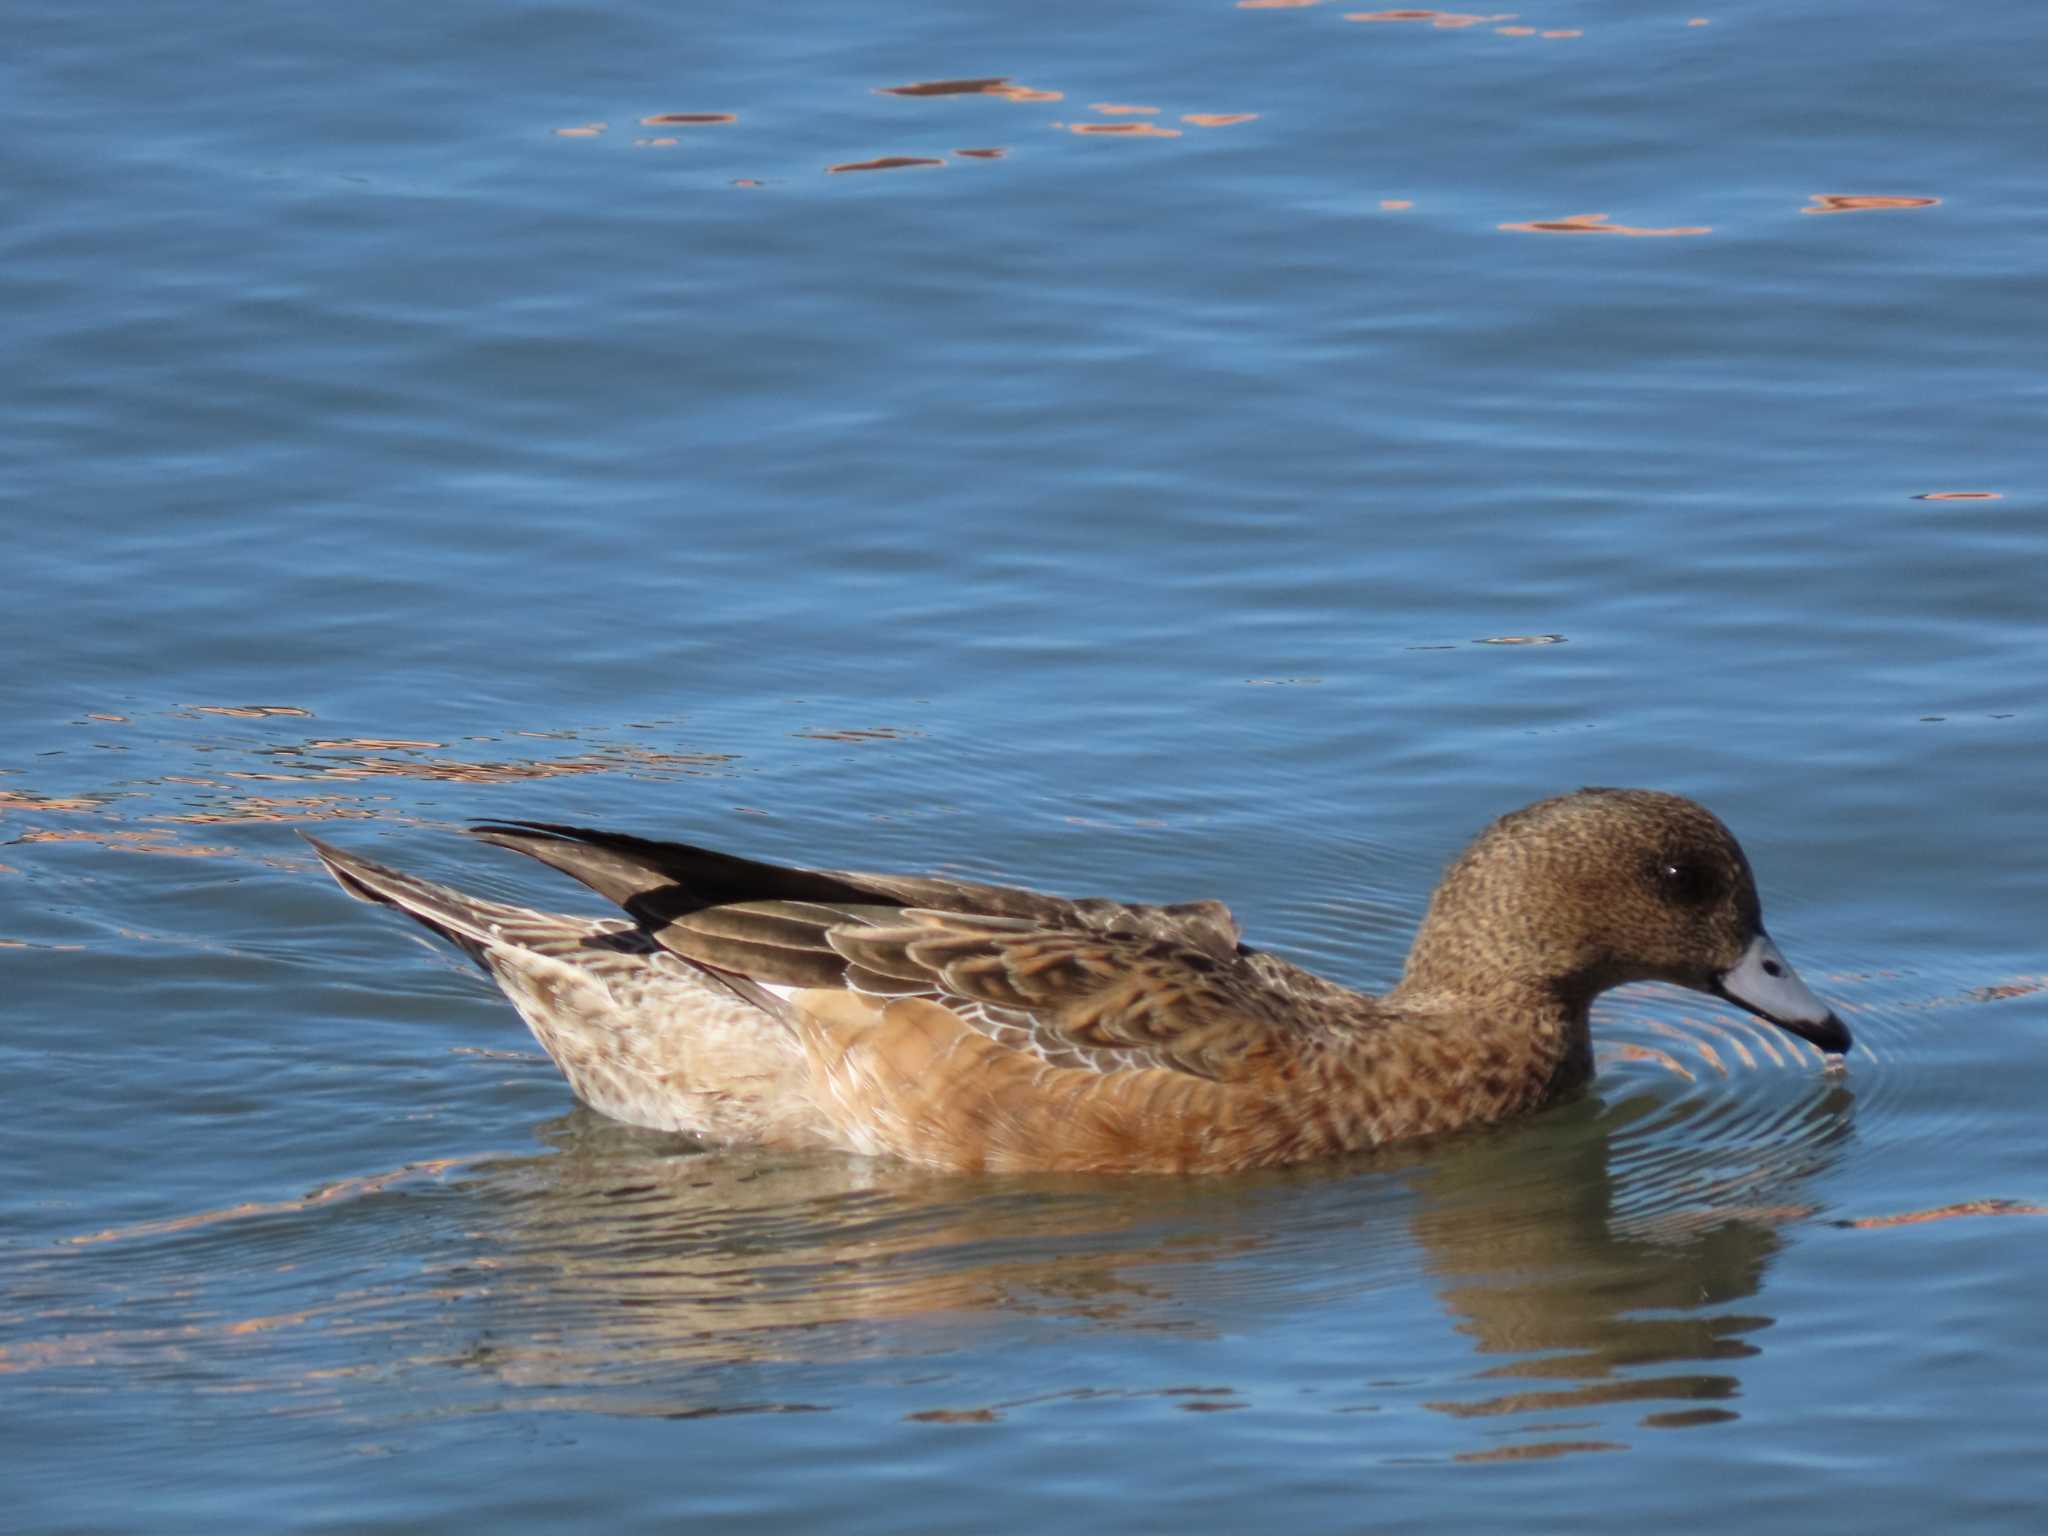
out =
column 376, row 744
column 295, row 766
column 884, row 163
column 1596, row 224
column 981, row 154
column 1648, row 1054
column 655, row 143
column 1395, row 204
column 686, row 119
column 1516, row 31
column 854, row 735
column 1545, row 1450
column 27, row 800
column 147, row 841
column 992, row 85
column 1444, row 19
column 282, row 808
column 1564, row 32
column 1127, row 130
column 1218, row 119
column 582, row 131
column 1960, row 496
column 1842, row 202
column 1114, row 109
column 1949, row 1213
column 249, row 711
column 345, row 1189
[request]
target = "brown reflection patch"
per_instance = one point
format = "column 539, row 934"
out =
column 245, row 711
column 379, row 744
column 746, row 181
column 1689, row 1418
column 981, row 154
column 1219, row 119
column 280, row 808
column 993, row 85
column 582, row 131
column 1960, row 496
column 884, row 163
column 686, row 119
column 1596, row 224
column 1395, row 204
column 1948, row 1213
column 345, row 1189
column 485, row 1053
column 110, row 719
column 954, row 1416
column 1445, row 19
column 27, row 800
column 1521, row 640
column 1699, row 21
column 144, row 841
column 2026, row 986
column 982, row 87
column 1841, row 202
column 1115, row 109
column 1127, row 130
column 1542, row 1451
column 872, row 733
column 1596, row 1394
column 349, row 766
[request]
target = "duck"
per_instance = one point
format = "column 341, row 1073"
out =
column 983, row 1028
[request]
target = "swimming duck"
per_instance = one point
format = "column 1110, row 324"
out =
column 979, row 1027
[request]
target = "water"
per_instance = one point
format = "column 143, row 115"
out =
column 1125, row 513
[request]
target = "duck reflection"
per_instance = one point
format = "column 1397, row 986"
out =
column 1595, row 1256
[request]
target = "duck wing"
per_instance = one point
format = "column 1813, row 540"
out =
column 1096, row 984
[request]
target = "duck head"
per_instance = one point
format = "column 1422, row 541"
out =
column 1602, row 887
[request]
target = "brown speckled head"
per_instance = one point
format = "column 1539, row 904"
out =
column 1591, row 890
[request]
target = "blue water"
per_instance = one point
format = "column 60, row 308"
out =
column 1242, row 509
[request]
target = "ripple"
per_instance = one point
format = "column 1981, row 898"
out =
column 1596, row 224
column 992, row 85
column 884, row 163
column 1126, row 130
column 1442, row 20
column 1838, row 202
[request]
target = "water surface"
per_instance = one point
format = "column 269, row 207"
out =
column 1167, row 450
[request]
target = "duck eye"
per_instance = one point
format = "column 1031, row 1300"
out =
column 1686, row 882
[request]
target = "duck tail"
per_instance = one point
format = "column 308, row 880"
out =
column 468, row 922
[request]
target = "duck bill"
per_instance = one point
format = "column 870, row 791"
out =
column 1764, row 982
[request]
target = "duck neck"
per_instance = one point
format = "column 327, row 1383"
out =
column 1544, row 1026
column 1489, row 980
